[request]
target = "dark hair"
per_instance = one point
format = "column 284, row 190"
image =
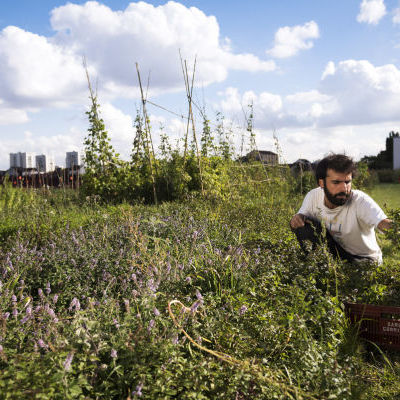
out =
column 337, row 162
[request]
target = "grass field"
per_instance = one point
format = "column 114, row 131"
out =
column 386, row 194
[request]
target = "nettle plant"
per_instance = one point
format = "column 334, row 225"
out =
column 394, row 233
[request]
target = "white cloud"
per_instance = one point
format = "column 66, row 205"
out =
column 10, row 116
column 290, row 40
column 363, row 93
column 274, row 111
column 35, row 72
column 353, row 92
column 38, row 71
column 152, row 36
column 353, row 109
column 315, row 142
column 396, row 16
column 371, row 11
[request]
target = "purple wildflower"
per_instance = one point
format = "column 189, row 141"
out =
column 242, row 309
column 55, row 298
column 15, row 313
column 42, row 344
column 153, row 286
column 40, row 292
column 6, row 315
column 28, row 311
column 74, row 305
column 114, row 353
column 188, row 279
column 14, row 298
column 68, row 361
column 115, row 322
column 48, row 289
column 156, row 312
column 196, row 305
column 51, row 312
column 198, row 295
column 74, row 239
column 25, row 319
column 151, row 325
column 138, row 390
column 1, row 348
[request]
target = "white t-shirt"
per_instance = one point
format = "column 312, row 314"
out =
column 351, row 225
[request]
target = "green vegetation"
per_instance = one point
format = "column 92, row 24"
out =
column 85, row 289
column 387, row 195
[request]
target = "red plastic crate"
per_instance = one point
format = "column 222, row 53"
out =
column 379, row 324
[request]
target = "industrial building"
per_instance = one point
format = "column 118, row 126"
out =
column 396, row 153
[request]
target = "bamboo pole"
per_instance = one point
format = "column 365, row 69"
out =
column 189, row 94
column 188, row 118
column 148, row 136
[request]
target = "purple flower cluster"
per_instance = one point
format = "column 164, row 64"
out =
column 75, row 305
column 68, row 361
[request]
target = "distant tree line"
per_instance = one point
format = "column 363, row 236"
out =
column 384, row 160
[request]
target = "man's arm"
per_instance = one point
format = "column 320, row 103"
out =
column 385, row 224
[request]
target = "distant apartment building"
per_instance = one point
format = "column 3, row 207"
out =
column 396, row 153
column 72, row 159
column 45, row 163
column 22, row 160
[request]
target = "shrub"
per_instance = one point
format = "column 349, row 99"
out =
column 387, row 175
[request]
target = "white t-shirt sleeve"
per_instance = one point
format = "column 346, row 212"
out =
column 307, row 208
column 369, row 212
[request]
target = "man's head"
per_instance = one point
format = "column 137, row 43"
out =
column 334, row 174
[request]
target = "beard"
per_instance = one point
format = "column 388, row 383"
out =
column 335, row 199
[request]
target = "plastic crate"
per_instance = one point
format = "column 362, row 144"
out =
column 379, row 324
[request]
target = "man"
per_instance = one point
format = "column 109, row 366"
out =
column 349, row 216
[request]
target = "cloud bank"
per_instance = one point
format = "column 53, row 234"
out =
column 351, row 92
column 38, row 71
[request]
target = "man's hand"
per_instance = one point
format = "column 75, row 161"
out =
column 297, row 221
column 385, row 225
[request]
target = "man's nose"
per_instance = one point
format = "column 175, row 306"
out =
column 345, row 186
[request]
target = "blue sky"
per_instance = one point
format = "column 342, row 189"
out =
column 323, row 75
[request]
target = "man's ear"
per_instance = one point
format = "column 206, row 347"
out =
column 321, row 182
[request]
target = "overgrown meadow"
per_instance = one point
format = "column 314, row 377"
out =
column 198, row 299
column 203, row 294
